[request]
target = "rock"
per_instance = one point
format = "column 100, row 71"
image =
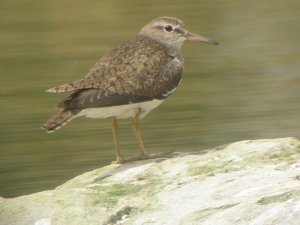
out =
column 248, row 182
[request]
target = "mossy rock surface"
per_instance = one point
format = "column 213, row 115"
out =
column 246, row 182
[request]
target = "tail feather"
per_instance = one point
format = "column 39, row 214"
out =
column 87, row 82
column 59, row 119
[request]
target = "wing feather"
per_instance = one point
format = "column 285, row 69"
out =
column 139, row 70
column 95, row 98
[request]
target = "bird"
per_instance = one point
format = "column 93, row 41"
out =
column 129, row 81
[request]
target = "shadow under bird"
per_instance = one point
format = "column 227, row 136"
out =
column 129, row 81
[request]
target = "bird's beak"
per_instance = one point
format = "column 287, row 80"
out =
column 198, row 38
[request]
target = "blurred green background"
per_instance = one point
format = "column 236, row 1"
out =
column 245, row 88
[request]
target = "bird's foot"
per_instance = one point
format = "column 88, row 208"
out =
column 156, row 155
column 119, row 160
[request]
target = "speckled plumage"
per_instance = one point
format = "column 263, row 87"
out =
column 145, row 69
column 138, row 67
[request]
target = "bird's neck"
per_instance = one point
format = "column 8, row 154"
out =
column 176, row 44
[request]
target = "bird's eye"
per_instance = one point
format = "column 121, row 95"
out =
column 168, row 28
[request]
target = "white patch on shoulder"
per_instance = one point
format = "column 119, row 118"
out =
column 122, row 111
column 169, row 92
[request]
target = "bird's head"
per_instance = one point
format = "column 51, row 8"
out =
column 172, row 32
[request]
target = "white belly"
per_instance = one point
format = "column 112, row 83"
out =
column 122, row 111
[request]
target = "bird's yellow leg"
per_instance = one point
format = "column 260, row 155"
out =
column 138, row 135
column 115, row 130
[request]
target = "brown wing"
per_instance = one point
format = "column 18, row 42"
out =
column 95, row 98
column 138, row 70
column 136, row 67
